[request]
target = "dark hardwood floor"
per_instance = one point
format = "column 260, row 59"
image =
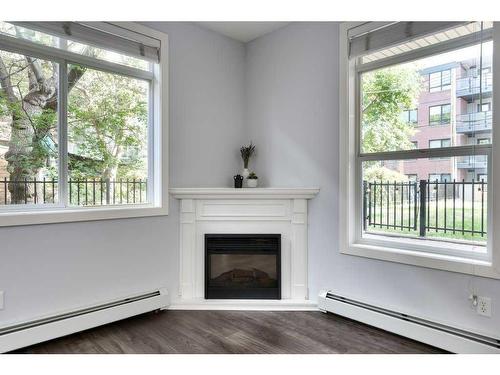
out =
column 214, row 332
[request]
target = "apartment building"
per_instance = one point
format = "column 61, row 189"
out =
column 454, row 108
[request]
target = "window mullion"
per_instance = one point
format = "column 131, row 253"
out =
column 428, row 152
column 63, row 134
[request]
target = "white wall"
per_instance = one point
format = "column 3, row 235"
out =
column 292, row 117
column 291, row 106
column 45, row 269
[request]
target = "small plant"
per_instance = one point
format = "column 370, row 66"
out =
column 252, row 176
column 246, row 153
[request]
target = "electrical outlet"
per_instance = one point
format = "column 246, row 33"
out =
column 483, row 306
column 1, row 299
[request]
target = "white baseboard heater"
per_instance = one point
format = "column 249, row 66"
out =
column 442, row 336
column 36, row 331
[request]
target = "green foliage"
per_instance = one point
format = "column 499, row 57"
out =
column 246, row 152
column 378, row 172
column 108, row 124
column 252, row 176
column 385, row 94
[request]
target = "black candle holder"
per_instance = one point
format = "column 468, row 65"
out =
column 238, row 181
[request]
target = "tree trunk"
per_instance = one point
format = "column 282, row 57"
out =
column 23, row 162
column 109, row 175
column 26, row 156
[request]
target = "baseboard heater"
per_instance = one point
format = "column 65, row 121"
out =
column 36, row 331
column 435, row 334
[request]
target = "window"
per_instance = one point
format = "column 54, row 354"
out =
column 410, row 116
column 483, row 141
column 439, row 177
column 78, row 121
column 439, row 143
column 427, row 212
column 414, row 147
column 484, row 107
column 440, row 81
column 439, row 114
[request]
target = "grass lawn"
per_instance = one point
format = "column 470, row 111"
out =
column 436, row 218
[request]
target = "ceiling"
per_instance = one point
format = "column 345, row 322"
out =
column 243, row 31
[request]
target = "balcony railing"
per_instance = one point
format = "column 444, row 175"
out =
column 472, row 162
column 473, row 86
column 474, row 122
column 89, row 192
column 447, row 209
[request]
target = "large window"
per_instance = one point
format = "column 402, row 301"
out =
column 77, row 121
column 440, row 81
column 434, row 206
column 440, row 114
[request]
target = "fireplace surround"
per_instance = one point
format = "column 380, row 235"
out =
column 248, row 211
column 242, row 266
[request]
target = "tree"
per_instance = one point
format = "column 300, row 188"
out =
column 385, row 94
column 29, row 95
column 107, row 119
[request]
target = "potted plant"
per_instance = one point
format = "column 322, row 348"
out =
column 246, row 153
column 252, row 180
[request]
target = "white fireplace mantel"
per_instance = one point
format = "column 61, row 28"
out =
column 240, row 211
column 244, row 193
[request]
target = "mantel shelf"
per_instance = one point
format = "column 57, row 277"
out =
column 244, row 193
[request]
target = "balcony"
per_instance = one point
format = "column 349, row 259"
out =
column 476, row 122
column 472, row 162
column 471, row 87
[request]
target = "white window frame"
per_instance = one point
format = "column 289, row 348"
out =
column 430, row 254
column 158, row 126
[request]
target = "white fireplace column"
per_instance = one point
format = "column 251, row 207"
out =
column 243, row 211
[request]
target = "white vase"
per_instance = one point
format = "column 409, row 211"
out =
column 252, row 182
column 245, row 173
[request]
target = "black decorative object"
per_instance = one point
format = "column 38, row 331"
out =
column 238, row 181
column 242, row 266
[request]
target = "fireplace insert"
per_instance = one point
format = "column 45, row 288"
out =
column 242, row 266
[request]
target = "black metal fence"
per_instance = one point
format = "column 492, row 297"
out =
column 81, row 192
column 454, row 207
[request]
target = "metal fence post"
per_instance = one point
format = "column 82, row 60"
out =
column 365, row 184
column 423, row 207
column 415, row 206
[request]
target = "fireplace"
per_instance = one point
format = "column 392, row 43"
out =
column 242, row 266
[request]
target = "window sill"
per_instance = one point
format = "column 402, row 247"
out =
column 452, row 263
column 64, row 215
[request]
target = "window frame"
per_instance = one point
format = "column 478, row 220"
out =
column 407, row 113
column 440, row 123
column 440, row 86
column 429, row 254
column 480, row 105
column 440, row 140
column 157, row 135
column 440, row 177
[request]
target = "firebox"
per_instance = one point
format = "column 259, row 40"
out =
column 242, row 266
